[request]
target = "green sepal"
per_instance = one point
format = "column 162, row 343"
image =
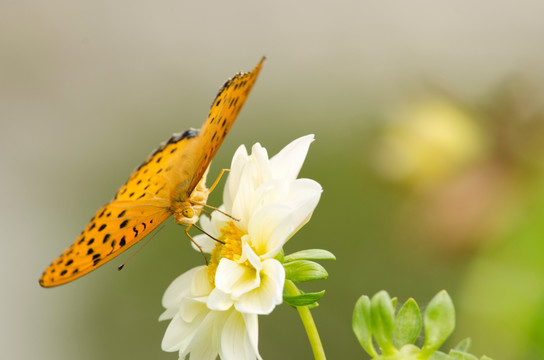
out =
column 461, row 355
column 310, row 254
column 304, row 270
column 383, row 321
column 408, row 324
column 281, row 256
column 439, row 321
column 439, row 355
column 361, row 325
column 464, row 345
column 305, row 299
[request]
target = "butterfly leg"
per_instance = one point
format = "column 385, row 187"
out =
column 223, row 171
column 196, row 244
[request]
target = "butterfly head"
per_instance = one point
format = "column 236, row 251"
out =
column 187, row 213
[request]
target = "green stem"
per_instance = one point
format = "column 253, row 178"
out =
column 308, row 322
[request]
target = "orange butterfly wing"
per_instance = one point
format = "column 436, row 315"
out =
column 223, row 112
column 144, row 201
column 139, row 206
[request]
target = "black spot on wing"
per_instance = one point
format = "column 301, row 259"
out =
column 106, row 238
column 187, row 134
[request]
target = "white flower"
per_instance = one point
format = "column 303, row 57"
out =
column 214, row 308
column 204, row 333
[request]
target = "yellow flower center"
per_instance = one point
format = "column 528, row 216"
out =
column 231, row 249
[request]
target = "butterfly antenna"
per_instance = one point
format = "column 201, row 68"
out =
column 204, row 232
column 216, row 209
column 120, row 267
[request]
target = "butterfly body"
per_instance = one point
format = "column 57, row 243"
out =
column 171, row 181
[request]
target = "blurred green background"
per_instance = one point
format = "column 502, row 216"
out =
column 429, row 123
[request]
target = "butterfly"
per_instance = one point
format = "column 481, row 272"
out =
column 171, row 181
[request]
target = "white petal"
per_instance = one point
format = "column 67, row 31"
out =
column 173, row 335
column 200, row 286
column 249, row 255
column 252, row 331
column 262, row 300
column 179, row 288
column 243, row 203
column 179, row 333
column 259, row 156
column 204, row 345
column 205, row 223
column 303, row 188
column 269, row 229
column 304, row 194
column 190, row 309
column 219, row 221
column 168, row 314
column 235, row 279
column 287, row 163
column 205, row 242
column 235, row 343
column 270, row 192
column 211, row 226
column 218, row 300
column 232, row 184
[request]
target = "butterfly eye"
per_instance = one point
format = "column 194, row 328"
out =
column 188, row 212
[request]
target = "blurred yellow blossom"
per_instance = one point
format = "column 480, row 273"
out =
column 426, row 143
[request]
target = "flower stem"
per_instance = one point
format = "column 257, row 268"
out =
column 308, row 322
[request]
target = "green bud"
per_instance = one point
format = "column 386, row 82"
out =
column 361, row 325
column 382, row 321
column 461, row 355
column 438, row 355
column 464, row 345
column 304, row 270
column 439, row 321
column 280, row 257
column 310, row 254
column 408, row 324
column 303, row 299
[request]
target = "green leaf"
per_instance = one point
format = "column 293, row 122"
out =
column 485, row 358
column 461, row 355
column 303, row 299
column 438, row 355
column 408, row 351
column 394, row 303
column 464, row 345
column 304, row 270
column 382, row 321
column 281, row 256
column 361, row 325
column 439, row 321
column 310, row 254
column 408, row 324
